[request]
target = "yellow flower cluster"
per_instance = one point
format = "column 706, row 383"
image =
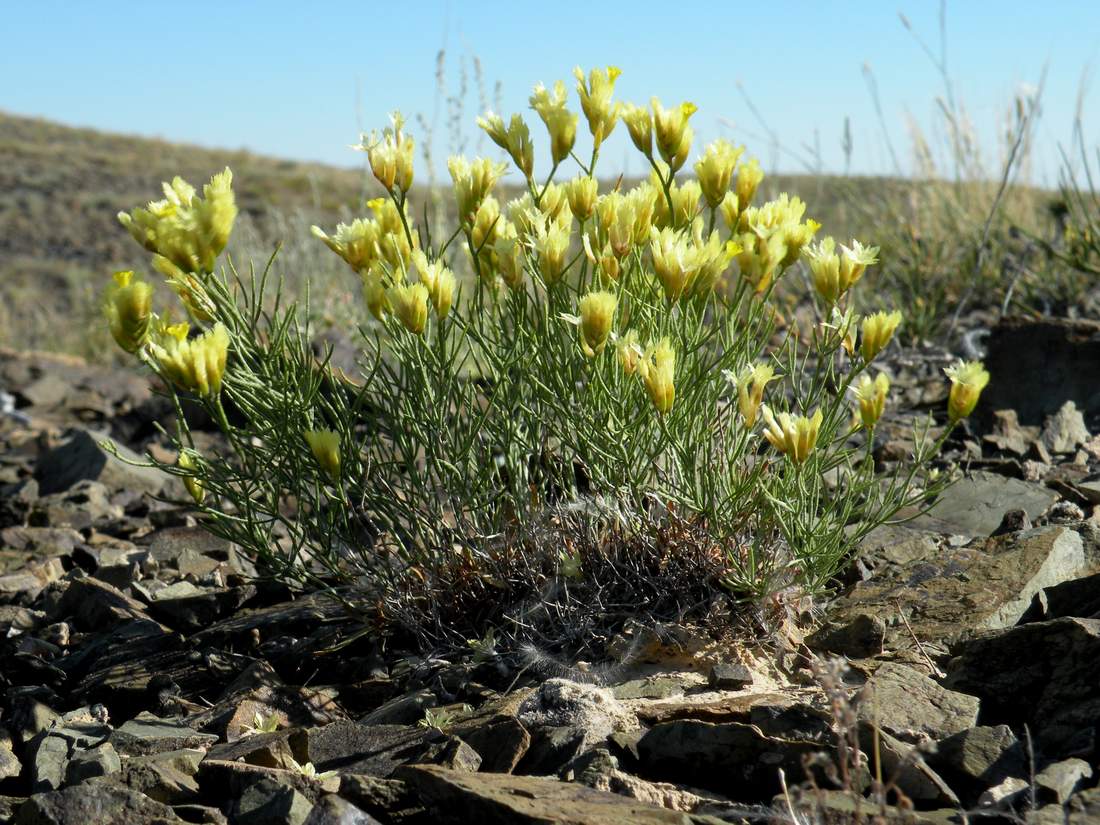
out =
column 193, row 364
column 391, row 155
column 365, row 242
column 129, row 310
column 188, row 230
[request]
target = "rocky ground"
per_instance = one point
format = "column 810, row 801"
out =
column 146, row 677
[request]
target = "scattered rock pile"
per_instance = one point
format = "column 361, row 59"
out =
column 149, row 677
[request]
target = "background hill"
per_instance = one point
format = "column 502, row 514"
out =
column 62, row 187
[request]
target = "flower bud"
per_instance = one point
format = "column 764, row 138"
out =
column 871, row 396
column 129, row 310
column 596, row 103
column 833, row 275
column 410, row 305
column 325, row 446
column 657, row 369
column 391, row 155
column 472, row 183
column 508, row 249
column 439, row 281
column 639, row 122
column 749, row 176
column 793, row 436
column 581, row 192
column 715, row 170
column 878, row 329
column 560, row 122
column 191, row 481
column 629, row 351
column 515, row 140
column 551, row 244
column 197, row 364
column 597, row 313
column 673, row 133
column 968, row 379
column 750, row 391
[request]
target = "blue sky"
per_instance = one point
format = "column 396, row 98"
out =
column 300, row 81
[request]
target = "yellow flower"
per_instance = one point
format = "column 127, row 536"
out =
column 657, row 369
column 554, row 203
column 605, row 262
column 730, row 209
column 129, row 310
column 878, row 329
column 685, row 204
column 485, row 223
column 674, row 136
column 715, row 170
column 560, row 122
column 551, row 244
column 968, row 379
column 749, row 176
column 472, row 182
column 791, row 435
column 581, row 192
column 439, row 281
column 325, row 445
column 188, row 288
column 195, row 364
column 833, row 275
column 676, row 261
column 639, row 122
column 365, row 241
column 596, row 103
column 871, row 396
column 391, row 155
column 375, row 284
column 508, row 249
column 187, row 230
column 597, row 313
column 410, row 305
column 750, row 390
column 515, row 140
column 629, row 351
column 191, row 481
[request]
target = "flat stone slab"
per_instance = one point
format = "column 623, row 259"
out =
column 975, row 505
column 986, row 585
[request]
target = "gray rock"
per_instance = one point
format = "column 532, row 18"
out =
column 975, row 505
column 402, row 710
column 94, row 802
column 1065, row 431
column 9, row 762
column 728, row 676
column 81, row 458
column 332, row 810
column 1038, row 365
column 989, row 584
column 978, row 758
column 270, row 750
column 909, row 705
column 98, row 761
column 454, row 796
column 146, row 734
column 1058, row 780
column 268, row 802
column 734, row 759
column 652, row 687
column 388, row 798
column 352, row 747
column 1003, row 794
column 906, row 766
column 1045, row 675
column 167, row 777
column 49, row 760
